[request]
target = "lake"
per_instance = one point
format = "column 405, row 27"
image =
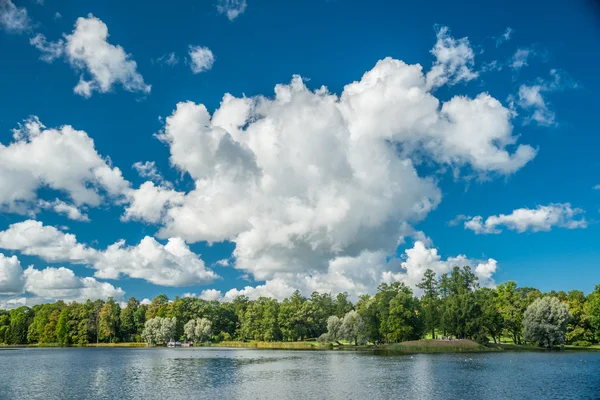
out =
column 216, row 373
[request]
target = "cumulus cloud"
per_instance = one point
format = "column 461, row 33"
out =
column 150, row 202
column 542, row 218
column 231, row 8
column 49, row 284
column 454, row 60
column 34, row 239
column 201, row 59
column 102, row 65
column 11, row 275
column 62, row 159
column 62, row 284
column 12, row 18
column 420, row 258
column 173, row 264
column 306, row 177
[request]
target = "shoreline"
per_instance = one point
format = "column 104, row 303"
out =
column 413, row 347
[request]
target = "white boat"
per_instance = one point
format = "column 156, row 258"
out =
column 173, row 344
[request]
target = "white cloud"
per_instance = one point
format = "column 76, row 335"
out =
column 454, row 60
column 89, row 52
column 11, row 275
column 60, row 207
column 149, row 203
column 50, row 50
column 223, row 263
column 12, row 18
column 173, row 264
column 146, row 302
column 307, row 177
column 231, row 8
column 61, row 159
column 542, row 218
column 148, row 170
column 57, row 15
column 201, row 59
column 62, row 284
column 420, row 258
column 531, row 98
column 34, row 239
column 597, row 187
column 49, row 284
column 363, row 274
column 169, row 59
column 519, row 59
column 505, row 37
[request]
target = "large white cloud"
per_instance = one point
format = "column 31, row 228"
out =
column 62, row 159
column 173, row 264
column 102, row 65
column 33, row 286
column 542, row 218
column 307, row 177
column 12, row 18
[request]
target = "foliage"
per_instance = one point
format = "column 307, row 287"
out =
column 545, row 322
column 450, row 304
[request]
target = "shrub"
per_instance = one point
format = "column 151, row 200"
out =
column 582, row 343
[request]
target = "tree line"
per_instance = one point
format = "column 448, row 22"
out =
column 452, row 304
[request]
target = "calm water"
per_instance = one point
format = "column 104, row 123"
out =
column 201, row 373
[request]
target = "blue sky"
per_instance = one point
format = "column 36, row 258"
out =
column 330, row 192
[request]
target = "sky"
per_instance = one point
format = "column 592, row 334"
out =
column 224, row 147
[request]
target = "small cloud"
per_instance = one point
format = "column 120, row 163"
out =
column 505, row 37
column 223, row 263
column 519, row 59
column 201, row 59
column 57, row 15
column 454, row 60
column 597, row 187
column 169, row 59
column 459, row 218
column 12, row 18
column 231, row 8
column 530, row 96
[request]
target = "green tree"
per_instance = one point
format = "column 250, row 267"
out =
column 20, row 319
column 430, row 301
column 592, row 310
column 62, row 328
column 545, row 322
column 127, row 319
column 353, row 328
column 108, row 323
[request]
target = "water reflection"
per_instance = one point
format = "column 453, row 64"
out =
column 209, row 373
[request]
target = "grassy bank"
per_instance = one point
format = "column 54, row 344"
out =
column 410, row 347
